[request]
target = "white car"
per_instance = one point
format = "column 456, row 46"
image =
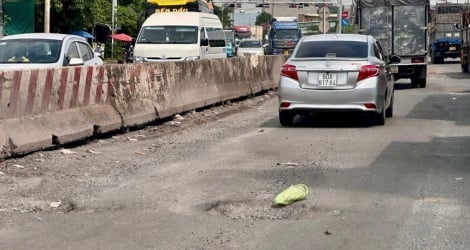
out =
column 249, row 47
column 44, row 50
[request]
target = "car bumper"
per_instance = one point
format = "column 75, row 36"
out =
column 354, row 99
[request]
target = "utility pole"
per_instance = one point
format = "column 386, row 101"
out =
column 340, row 14
column 47, row 16
column 113, row 28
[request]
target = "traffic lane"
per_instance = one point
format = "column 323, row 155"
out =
column 214, row 184
column 413, row 195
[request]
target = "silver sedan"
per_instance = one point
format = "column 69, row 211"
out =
column 337, row 72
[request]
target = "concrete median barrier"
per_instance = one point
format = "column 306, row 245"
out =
column 43, row 107
column 46, row 107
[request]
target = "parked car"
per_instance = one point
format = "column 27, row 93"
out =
column 229, row 48
column 248, row 47
column 42, row 50
column 337, row 72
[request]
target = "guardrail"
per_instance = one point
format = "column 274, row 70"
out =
column 42, row 108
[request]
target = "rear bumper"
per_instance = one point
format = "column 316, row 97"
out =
column 302, row 100
column 411, row 70
column 441, row 54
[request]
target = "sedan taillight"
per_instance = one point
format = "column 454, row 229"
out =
column 367, row 71
column 289, row 70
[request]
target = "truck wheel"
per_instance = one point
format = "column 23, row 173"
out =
column 414, row 82
column 464, row 68
column 286, row 117
column 422, row 83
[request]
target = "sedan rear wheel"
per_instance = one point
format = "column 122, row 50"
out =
column 389, row 110
column 286, row 117
column 379, row 118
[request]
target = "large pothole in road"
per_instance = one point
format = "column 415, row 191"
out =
column 266, row 210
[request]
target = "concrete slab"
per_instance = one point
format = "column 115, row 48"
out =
column 4, row 145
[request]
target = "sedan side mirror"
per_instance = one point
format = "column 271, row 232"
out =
column 76, row 62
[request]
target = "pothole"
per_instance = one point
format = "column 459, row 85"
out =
column 266, row 210
column 31, row 205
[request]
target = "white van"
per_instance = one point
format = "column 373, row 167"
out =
column 180, row 36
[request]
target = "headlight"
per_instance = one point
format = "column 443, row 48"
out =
column 138, row 59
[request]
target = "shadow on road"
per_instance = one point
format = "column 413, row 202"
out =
column 445, row 157
column 457, row 75
column 443, row 107
column 327, row 120
column 402, row 85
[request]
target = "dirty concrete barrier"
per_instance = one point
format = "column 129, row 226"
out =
column 46, row 107
column 145, row 92
column 41, row 108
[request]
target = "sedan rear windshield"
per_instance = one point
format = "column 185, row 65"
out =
column 348, row 49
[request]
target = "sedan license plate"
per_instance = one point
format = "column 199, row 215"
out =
column 452, row 48
column 327, row 80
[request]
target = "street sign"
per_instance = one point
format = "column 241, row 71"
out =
column 344, row 22
column 324, row 12
column 323, row 26
column 344, row 14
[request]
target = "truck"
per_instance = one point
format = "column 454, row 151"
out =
column 444, row 34
column 242, row 31
column 401, row 28
column 283, row 36
column 465, row 47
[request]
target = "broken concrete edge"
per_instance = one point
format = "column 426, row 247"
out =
column 54, row 129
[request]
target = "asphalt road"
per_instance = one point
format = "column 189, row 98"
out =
column 207, row 180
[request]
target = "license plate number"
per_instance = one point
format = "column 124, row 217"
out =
column 327, row 80
column 452, row 48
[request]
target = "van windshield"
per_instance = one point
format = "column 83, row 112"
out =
column 168, row 35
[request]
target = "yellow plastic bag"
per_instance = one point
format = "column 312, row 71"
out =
column 292, row 194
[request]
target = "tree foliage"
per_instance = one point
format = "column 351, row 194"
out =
column 67, row 15
column 224, row 14
column 349, row 29
column 263, row 18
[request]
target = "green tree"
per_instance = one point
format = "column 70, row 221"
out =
column 67, row 15
column 224, row 14
column 349, row 29
column 263, row 18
